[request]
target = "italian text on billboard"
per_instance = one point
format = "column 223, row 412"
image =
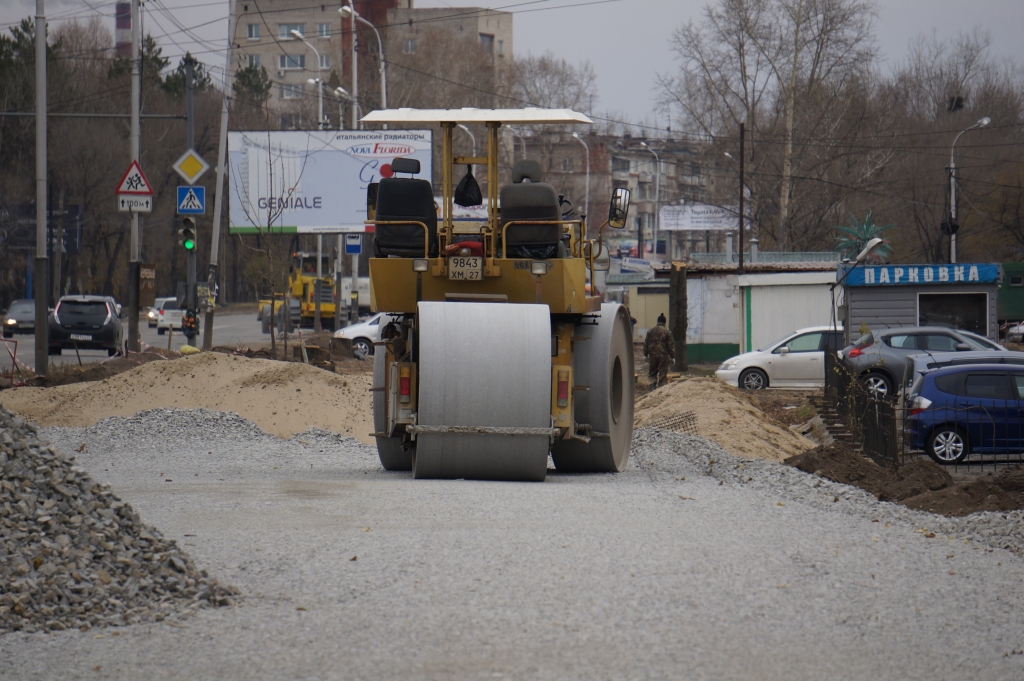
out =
column 312, row 181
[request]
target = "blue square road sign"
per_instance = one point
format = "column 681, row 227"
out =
column 353, row 244
column 192, row 200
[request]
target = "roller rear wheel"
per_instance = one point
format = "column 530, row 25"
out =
column 605, row 364
column 389, row 449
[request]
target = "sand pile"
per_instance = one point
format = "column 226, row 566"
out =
column 73, row 555
column 283, row 398
column 724, row 415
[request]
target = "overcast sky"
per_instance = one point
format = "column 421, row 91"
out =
column 627, row 41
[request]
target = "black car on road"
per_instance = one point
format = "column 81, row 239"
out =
column 88, row 323
column 20, row 317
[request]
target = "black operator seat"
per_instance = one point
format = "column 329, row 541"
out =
column 405, row 198
column 528, row 198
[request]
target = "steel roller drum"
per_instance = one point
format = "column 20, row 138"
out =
column 604, row 363
column 483, row 365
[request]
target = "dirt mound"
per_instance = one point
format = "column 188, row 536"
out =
column 960, row 500
column 283, row 398
column 839, row 463
column 724, row 415
column 73, row 555
column 920, row 484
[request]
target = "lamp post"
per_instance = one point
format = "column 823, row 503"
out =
column 953, row 226
column 586, row 201
column 657, row 195
column 318, row 80
column 861, row 257
column 343, row 96
column 348, row 11
column 470, row 133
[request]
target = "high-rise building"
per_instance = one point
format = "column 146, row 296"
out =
column 123, row 30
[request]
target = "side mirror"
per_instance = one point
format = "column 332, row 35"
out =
column 371, row 200
column 619, row 208
column 960, row 347
column 122, row 315
column 783, row 350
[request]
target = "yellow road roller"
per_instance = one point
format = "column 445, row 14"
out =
column 495, row 354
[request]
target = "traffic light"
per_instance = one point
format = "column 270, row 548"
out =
column 187, row 234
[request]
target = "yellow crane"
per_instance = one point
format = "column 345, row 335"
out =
column 496, row 355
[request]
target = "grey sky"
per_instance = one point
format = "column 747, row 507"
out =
column 626, row 41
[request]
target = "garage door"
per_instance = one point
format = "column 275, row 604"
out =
column 776, row 311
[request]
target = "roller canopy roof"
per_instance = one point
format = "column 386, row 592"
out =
column 530, row 115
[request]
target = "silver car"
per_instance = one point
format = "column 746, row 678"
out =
column 20, row 318
column 879, row 358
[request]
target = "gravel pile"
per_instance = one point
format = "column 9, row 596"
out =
column 73, row 555
column 681, row 455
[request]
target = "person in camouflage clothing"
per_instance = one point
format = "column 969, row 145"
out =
column 660, row 350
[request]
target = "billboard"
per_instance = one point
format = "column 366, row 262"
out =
column 313, row 181
column 699, row 217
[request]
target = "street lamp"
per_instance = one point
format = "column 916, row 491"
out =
column 586, row 203
column 657, row 195
column 982, row 122
column 349, row 12
column 343, row 96
column 861, row 257
column 471, row 135
column 318, row 80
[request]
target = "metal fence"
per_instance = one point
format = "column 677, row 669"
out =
column 873, row 423
column 981, row 433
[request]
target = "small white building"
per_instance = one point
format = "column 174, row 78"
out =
column 729, row 313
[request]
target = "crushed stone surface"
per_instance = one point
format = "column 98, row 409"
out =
column 283, row 398
column 724, row 415
column 73, row 555
column 692, row 563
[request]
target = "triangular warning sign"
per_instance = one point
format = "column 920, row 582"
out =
column 134, row 182
column 191, row 201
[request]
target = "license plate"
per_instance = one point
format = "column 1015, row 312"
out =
column 80, row 336
column 465, row 268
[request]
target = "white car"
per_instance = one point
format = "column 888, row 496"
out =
column 153, row 315
column 168, row 316
column 365, row 334
column 796, row 361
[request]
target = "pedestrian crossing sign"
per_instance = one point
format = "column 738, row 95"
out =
column 192, row 200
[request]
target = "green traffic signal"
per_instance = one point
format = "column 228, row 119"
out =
column 187, row 234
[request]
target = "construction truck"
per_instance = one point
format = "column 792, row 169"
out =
column 301, row 294
column 496, row 354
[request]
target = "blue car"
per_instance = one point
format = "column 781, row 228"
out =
column 959, row 410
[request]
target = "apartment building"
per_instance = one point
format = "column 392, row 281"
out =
column 409, row 27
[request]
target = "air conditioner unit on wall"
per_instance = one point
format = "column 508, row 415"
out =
column 280, row 74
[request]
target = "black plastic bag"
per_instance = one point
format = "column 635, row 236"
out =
column 467, row 193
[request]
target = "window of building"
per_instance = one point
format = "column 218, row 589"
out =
column 694, row 169
column 325, row 61
column 487, row 43
column 968, row 311
column 287, row 61
column 1016, row 280
column 409, row 46
column 323, row 30
column 566, row 165
column 284, row 31
column 252, row 31
column 501, row 48
column 254, row 60
column 620, row 165
column 292, row 91
column 290, row 121
column 644, row 191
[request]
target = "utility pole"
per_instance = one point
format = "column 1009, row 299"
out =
column 742, row 216
column 316, row 287
column 355, row 75
column 134, row 255
column 40, row 274
column 218, row 201
column 353, row 302
column 337, row 281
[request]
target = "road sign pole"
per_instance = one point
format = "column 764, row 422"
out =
column 40, row 274
column 134, row 254
column 190, row 296
column 218, row 203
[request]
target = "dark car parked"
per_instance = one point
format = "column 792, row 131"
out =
column 958, row 410
column 86, row 322
column 20, row 317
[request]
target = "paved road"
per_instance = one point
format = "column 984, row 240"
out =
column 350, row 572
column 229, row 328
